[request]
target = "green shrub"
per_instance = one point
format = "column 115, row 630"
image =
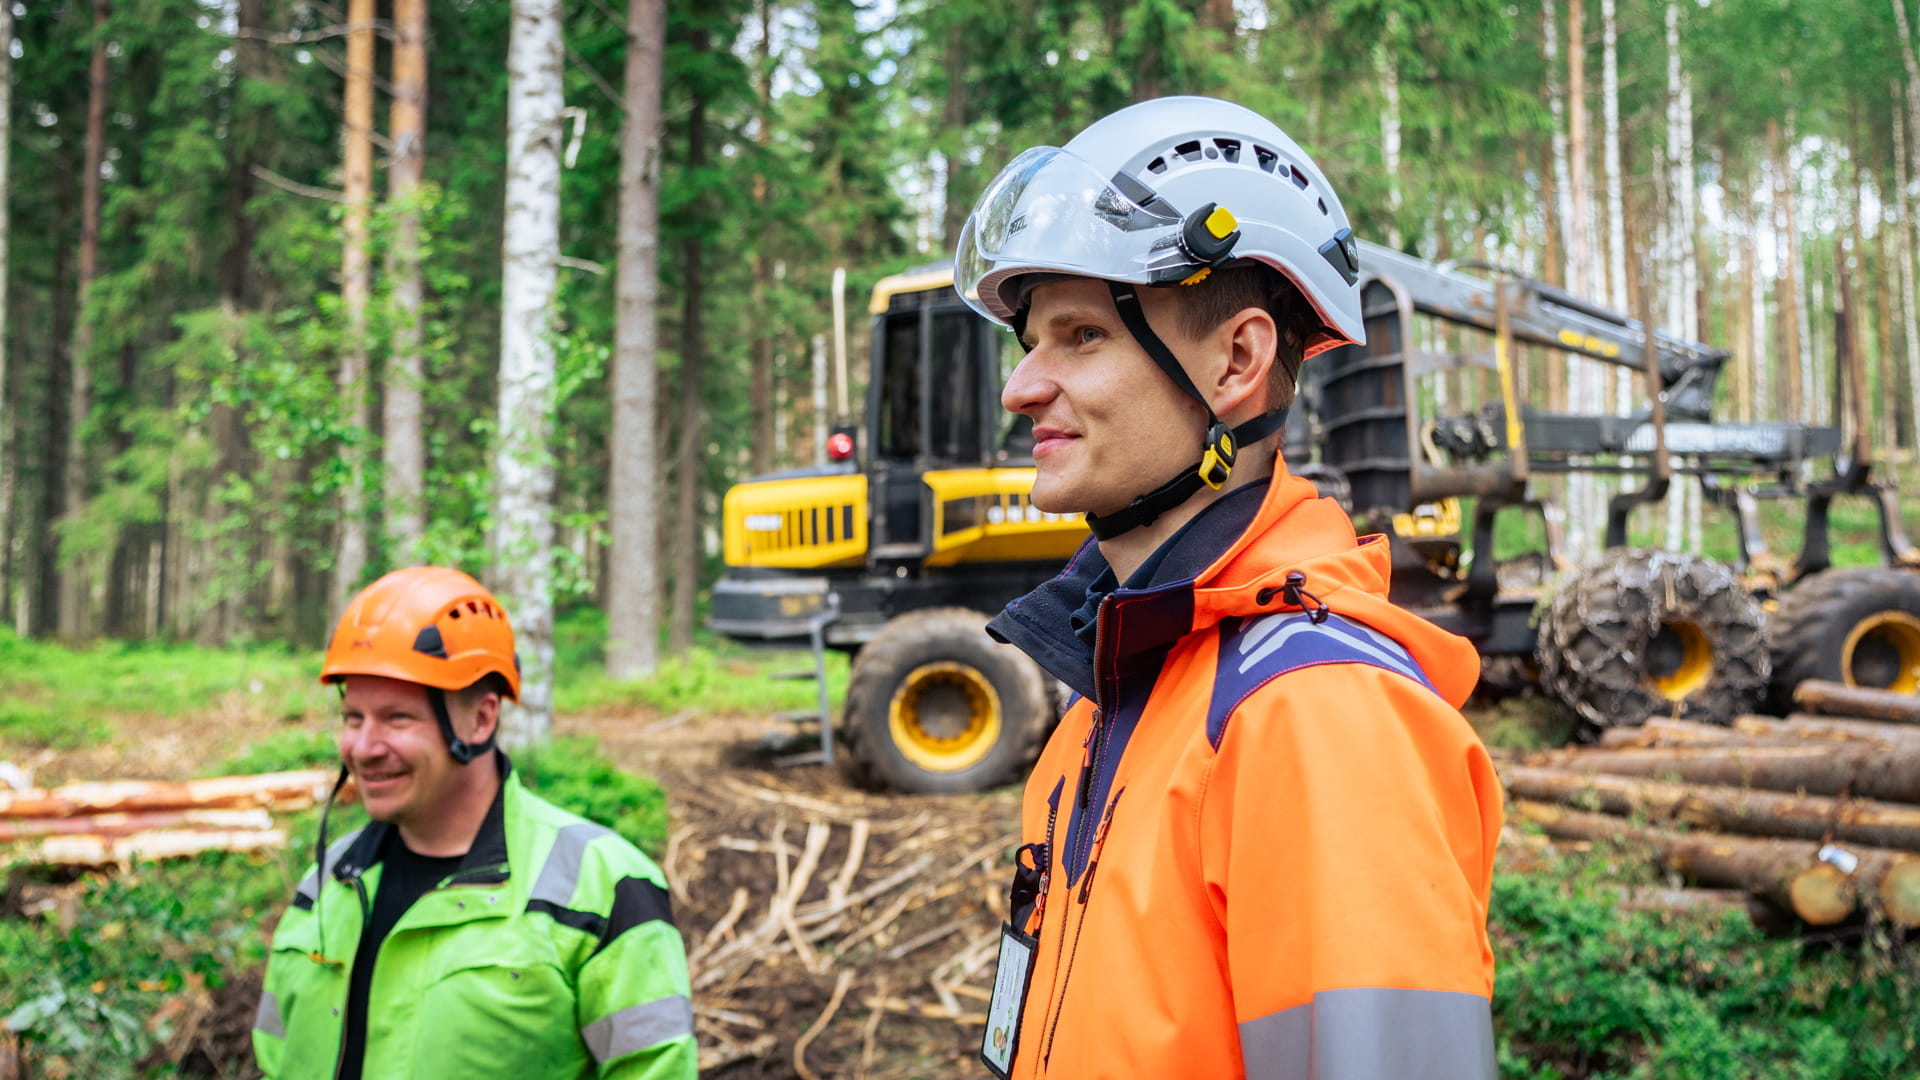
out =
column 571, row 774
column 282, row 751
column 1586, row 989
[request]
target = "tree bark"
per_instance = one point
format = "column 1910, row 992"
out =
column 688, row 459
column 1787, row 338
column 958, row 201
column 8, row 394
column 74, row 577
column 761, row 392
column 1622, row 378
column 1791, row 873
column 1389, row 75
column 1839, row 699
column 633, row 601
column 356, row 286
column 1864, row 769
column 1759, row 813
column 404, row 440
column 523, row 458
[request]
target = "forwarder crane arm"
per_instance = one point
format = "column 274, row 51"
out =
column 1546, row 315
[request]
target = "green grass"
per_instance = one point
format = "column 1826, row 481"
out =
column 58, row 695
column 715, row 675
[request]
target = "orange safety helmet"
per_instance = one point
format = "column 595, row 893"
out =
column 428, row 625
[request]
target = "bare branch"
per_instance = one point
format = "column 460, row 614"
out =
column 307, row 37
column 598, row 80
column 306, row 190
column 588, row 265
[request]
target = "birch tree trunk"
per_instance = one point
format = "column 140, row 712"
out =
column 633, row 600
column 8, row 560
column 1784, row 285
column 1389, row 75
column 1584, row 382
column 355, row 287
column 1679, row 269
column 74, row 576
column 404, row 444
column 1616, row 197
column 523, row 457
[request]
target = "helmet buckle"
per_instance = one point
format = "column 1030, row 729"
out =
column 1216, row 463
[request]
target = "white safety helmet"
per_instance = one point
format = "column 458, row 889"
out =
column 1137, row 196
column 1163, row 193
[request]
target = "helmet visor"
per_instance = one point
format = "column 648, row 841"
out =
column 1050, row 211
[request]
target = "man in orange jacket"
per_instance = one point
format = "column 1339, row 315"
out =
column 1261, row 841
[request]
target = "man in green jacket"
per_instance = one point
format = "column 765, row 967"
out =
column 472, row 929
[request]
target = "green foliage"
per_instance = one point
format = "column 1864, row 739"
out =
column 284, row 751
column 56, row 695
column 570, row 773
column 1585, row 988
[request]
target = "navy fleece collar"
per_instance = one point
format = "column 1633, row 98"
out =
column 1055, row 623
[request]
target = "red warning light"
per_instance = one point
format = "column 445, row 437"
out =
column 839, row 446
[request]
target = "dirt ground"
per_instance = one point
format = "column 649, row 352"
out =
column 832, row 932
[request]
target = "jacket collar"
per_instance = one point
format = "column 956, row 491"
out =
column 1046, row 623
column 485, row 862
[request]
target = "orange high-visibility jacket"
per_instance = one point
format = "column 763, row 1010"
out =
column 1267, row 836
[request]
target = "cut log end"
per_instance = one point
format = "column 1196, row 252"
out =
column 1899, row 893
column 1821, row 895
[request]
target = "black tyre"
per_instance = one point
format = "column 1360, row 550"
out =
column 1644, row 633
column 935, row 705
column 1857, row 626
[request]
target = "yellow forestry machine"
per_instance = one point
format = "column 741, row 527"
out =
column 898, row 549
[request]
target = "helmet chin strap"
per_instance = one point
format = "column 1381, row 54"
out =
column 463, row 752
column 1222, row 443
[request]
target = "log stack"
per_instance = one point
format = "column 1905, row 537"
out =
column 116, row 822
column 1816, row 814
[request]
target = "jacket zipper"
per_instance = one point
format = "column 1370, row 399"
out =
column 1055, row 985
column 340, row 1052
column 1038, row 919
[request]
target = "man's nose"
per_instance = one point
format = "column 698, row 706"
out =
column 357, row 742
column 1028, row 387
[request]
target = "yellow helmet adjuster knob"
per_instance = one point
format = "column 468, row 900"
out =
column 1221, row 222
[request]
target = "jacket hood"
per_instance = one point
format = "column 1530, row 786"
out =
column 1246, row 563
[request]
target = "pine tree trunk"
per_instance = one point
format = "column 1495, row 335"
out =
column 75, row 575
column 523, row 457
column 404, row 440
column 633, row 596
column 1558, row 199
column 356, row 286
column 1903, row 279
column 761, row 394
column 1585, row 382
column 8, row 394
column 688, row 458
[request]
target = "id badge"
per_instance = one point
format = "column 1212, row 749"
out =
column 1010, row 981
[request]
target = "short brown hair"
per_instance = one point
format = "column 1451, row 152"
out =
column 1229, row 291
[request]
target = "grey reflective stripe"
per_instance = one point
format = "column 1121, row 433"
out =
column 1370, row 1033
column 638, row 1027
column 310, row 885
column 266, row 1020
column 561, row 876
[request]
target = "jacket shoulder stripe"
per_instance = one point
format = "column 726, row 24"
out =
column 561, row 875
column 584, row 921
column 636, row 902
column 1256, row 651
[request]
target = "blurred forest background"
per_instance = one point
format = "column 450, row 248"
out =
column 252, row 350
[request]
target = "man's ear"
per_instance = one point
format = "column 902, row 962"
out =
column 1251, row 340
column 486, row 718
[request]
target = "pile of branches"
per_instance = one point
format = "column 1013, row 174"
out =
column 888, row 907
column 114, row 822
column 1815, row 815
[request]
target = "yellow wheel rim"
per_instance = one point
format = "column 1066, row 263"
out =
column 945, row 716
column 1680, row 659
column 1882, row 651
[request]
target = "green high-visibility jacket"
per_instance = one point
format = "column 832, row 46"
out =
column 549, row 952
